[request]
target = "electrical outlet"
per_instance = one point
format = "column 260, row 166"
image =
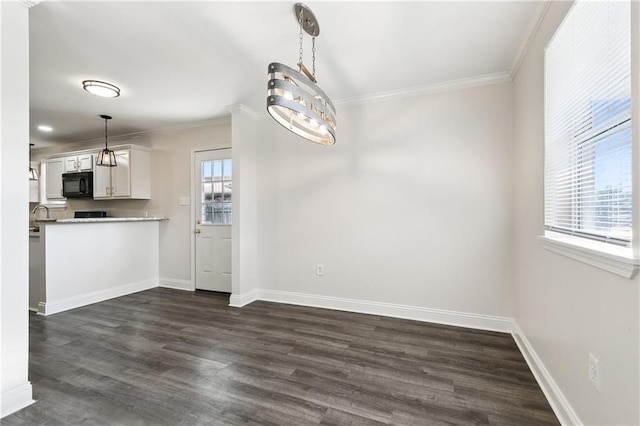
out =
column 319, row 269
column 595, row 373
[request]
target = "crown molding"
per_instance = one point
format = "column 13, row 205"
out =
column 445, row 86
column 30, row 3
column 245, row 110
column 218, row 122
column 534, row 27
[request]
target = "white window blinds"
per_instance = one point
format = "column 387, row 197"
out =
column 588, row 123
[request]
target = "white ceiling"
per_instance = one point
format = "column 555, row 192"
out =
column 184, row 62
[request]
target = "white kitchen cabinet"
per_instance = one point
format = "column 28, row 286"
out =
column 131, row 178
column 34, row 185
column 53, row 179
column 78, row 163
column 34, row 189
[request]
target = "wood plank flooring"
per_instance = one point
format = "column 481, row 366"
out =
column 170, row 357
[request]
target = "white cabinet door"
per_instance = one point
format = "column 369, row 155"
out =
column 102, row 182
column 121, row 176
column 34, row 196
column 85, row 163
column 78, row 163
column 55, row 169
column 70, row 164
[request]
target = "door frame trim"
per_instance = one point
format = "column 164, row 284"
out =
column 192, row 210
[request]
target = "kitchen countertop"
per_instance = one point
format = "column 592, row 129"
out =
column 107, row 219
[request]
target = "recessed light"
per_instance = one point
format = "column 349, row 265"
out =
column 45, row 128
column 101, row 88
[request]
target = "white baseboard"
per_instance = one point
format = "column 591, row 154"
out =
column 240, row 300
column 461, row 319
column 561, row 407
column 176, row 284
column 55, row 306
column 16, row 399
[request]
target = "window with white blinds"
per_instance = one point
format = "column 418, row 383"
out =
column 587, row 174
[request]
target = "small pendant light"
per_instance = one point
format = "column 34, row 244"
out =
column 33, row 173
column 106, row 157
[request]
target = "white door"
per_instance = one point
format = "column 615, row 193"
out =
column 213, row 206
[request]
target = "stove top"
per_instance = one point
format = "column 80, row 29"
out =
column 89, row 214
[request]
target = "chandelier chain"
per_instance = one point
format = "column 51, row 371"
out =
column 301, row 50
column 313, row 57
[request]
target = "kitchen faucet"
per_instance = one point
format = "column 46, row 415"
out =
column 33, row 212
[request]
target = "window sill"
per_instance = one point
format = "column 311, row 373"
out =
column 615, row 259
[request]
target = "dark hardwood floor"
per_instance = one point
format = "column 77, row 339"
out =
column 170, row 357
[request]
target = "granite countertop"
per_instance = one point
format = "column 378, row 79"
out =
column 108, row 219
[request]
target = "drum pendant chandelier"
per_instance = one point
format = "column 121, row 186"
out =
column 293, row 97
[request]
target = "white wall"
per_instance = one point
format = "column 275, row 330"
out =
column 565, row 308
column 15, row 389
column 412, row 206
column 245, row 210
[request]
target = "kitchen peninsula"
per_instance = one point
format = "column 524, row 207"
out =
column 85, row 261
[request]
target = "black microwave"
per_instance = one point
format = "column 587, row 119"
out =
column 77, row 185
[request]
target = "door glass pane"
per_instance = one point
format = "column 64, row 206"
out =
column 217, row 170
column 227, row 169
column 227, row 192
column 207, row 192
column 217, row 191
column 206, row 171
column 207, row 213
column 227, row 213
column 217, row 213
column 215, row 188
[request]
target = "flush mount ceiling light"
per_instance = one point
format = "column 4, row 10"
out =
column 45, row 128
column 33, row 173
column 106, row 157
column 100, row 88
column 293, row 97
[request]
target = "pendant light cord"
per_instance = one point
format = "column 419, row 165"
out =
column 106, row 146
